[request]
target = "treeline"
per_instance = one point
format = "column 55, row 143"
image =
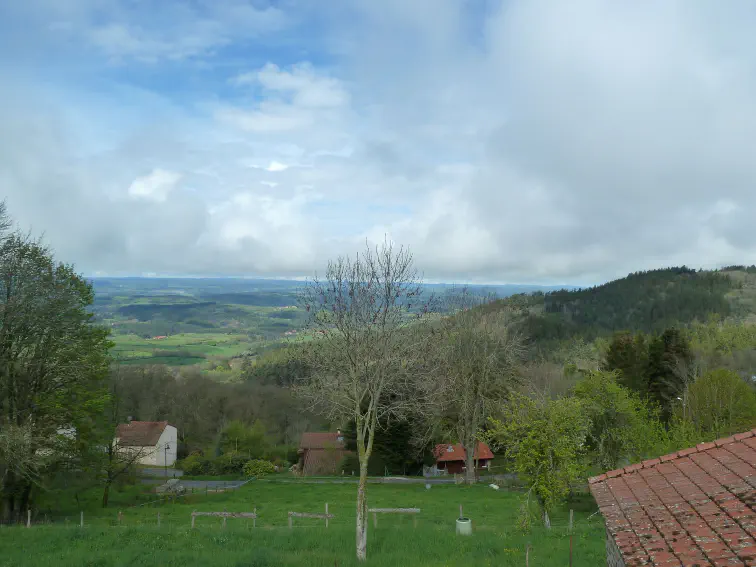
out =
column 649, row 301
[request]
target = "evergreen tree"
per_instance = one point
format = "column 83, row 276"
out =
column 628, row 355
column 669, row 363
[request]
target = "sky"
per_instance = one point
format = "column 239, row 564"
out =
column 501, row 141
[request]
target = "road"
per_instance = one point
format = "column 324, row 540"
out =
column 162, row 472
column 159, row 477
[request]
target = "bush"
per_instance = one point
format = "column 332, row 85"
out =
column 195, row 465
column 258, row 468
column 229, row 463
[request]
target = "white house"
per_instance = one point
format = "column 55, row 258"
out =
column 156, row 442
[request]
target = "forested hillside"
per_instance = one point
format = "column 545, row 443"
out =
column 648, row 302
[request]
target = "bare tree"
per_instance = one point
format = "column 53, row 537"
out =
column 479, row 356
column 368, row 337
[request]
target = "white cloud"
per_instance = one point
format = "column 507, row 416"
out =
column 156, row 186
column 535, row 141
column 277, row 166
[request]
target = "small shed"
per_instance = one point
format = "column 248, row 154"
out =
column 694, row 507
column 321, row 453
column 452, row 457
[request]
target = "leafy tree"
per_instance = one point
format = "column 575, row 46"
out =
column 53, row 361
column 718, row 403
column 623, row 427
column 240, row 438
column 547, row 442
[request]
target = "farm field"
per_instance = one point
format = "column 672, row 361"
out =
column 206, row 322
column 138, row 541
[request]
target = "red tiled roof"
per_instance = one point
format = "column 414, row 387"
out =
column 321, row 441
column 458, row 452
column 692, row 507
column 140, row 433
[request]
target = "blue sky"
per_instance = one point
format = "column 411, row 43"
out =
column 519, row 141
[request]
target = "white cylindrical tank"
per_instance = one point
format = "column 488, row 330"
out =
column 464, row 526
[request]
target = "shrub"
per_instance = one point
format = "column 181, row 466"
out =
column 258, row 468
column 195, row 465
column 229, row 463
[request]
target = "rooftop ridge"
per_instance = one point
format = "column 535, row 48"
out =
column 650, row 463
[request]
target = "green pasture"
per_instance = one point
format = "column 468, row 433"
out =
column 180, row 349
column 497, row 540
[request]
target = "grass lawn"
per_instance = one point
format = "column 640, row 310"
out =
column 138, row 541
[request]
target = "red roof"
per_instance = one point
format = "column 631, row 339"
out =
column 458, row 453
column 693, row 507
column 321, row 441
column 140, row 433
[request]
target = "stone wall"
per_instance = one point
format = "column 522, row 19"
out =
column 613, row 555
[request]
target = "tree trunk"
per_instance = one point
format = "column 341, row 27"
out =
column 362, row 515
column 470, row 462
column 106, row 494
column 25, row 499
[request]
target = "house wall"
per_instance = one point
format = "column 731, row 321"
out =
column 458, row 467
column 146, row 454
column 613, row 555
column 163, row 457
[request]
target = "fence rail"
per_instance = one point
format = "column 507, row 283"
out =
column 325, row 516
column 376, row 511
column 225, row 515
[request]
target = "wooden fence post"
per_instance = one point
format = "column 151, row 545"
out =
column 326, row 519
column 571, row 513
column 158, row 518
column 28, row 517
column 375, row 519
column 82, row 519
column 192, row 520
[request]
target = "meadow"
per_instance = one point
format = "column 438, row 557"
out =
column 497, row 540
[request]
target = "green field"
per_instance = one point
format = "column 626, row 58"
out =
column 179, row 350
column 138, row 541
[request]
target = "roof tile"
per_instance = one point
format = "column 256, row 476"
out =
column 694, row 507
column 140, row 433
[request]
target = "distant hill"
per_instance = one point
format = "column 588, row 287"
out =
column 643, row 301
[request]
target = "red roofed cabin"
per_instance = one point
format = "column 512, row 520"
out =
column 451, row 458
column 321, row 453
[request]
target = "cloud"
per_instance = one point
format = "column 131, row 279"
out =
column 502, row 141
column 156, row 186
